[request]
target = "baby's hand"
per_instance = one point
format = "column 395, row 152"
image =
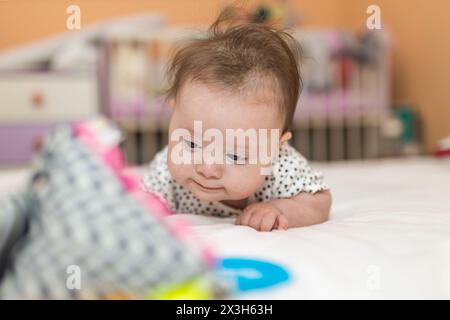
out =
column 262, row 216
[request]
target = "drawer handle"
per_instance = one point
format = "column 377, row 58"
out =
column 37, row 99
column 38, row 143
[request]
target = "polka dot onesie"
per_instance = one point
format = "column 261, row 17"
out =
column 291, row 175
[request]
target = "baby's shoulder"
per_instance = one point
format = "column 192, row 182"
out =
column 160, row 159
column 290, row 175
column 289, row 156
column 157, row 175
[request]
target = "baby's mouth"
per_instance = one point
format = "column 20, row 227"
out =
column 207, row 188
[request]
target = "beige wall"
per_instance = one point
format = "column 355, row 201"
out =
column 420, row 30
column 421, row 56
column 27, row 20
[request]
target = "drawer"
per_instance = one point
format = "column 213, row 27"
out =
column 18, row 142
column 47, row 97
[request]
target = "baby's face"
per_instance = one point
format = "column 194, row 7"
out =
column 219, row 109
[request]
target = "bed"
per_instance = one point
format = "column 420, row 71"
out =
column 388, row 236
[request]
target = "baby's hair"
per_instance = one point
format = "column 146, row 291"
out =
column 243, row 57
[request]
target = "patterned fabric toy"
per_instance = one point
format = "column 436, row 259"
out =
column 82, row 229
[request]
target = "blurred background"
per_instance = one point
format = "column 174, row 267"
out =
column 369, row 93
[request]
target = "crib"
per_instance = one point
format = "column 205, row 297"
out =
column 340, row 114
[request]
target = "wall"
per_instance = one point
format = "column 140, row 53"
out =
column 421, row 56
column 421, row 48
column 30, row 20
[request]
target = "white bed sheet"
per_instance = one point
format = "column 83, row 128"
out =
column 388, row 235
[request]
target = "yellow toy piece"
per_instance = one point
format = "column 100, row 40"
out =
column 196, row 289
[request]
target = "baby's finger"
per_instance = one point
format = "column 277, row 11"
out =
column 255, row 220
column 245, row 218
column 267, row 222
column 240, row 217
column 282, row 222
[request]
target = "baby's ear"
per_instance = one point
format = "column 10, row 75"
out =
column 285, row 137
column 171, row 103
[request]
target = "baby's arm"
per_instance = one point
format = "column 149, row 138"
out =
column 299, row 196
column 304, row 209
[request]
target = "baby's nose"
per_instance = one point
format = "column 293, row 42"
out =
column 211, row 171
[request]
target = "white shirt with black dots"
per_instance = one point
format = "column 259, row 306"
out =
column 290, row 176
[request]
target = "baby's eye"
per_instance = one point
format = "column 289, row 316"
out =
column 236, row 158
column 191, row 144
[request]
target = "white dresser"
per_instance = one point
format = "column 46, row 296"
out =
column 32, row 103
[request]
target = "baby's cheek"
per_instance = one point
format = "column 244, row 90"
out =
column 244, row 181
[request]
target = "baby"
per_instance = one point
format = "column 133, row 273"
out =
column 241, row 81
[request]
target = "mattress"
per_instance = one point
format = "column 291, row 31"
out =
column 388, row 236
